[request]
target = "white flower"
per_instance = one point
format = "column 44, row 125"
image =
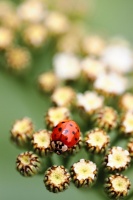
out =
column 118, row 58
column 31, row 10
column 89, row 101
column 84, row 169
column 97, row 138
column 56, row 23
column 111, row 83
column 66, row 66
column 118, row 158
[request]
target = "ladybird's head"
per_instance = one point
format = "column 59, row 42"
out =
column 58, row 147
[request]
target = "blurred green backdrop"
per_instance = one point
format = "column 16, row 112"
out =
column 16, row 100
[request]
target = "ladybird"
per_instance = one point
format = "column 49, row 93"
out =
column 64, row 135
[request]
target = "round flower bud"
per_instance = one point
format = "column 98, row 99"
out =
column 31, row 11
column 47, row 81
column 56, row 114
column 126, row 123
column 28, row 164
column 69, row 42
column 22, row 131
column 35, row 35
column 63, row 96
column 106, row 84
column 106, row 118
column 66, row 66
column 117, row 186
column 83, row 173
column 118, row 58
column 96, row 140
column 117, row 159
column 57, row 23
column 56, row 179
column 11, row 20
column 89, row 101
column 93, row 45
column 18, row 58
column 41, row 142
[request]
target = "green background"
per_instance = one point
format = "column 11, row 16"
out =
column 19, row 98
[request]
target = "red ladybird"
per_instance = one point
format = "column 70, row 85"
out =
column 65, row 135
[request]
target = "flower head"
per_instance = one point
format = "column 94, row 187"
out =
column 70, row 41
column 31, row 11
column 89, row 101
column 106, row 84
column 56, row 23
column 35, row 35
column 96, row 140
column 18, row 58
column 41, row 142
column 22, row 131
column 56, row 179
column 66, row 66
column 117, row 186
column 28, row 164
column 117, row 159
column 63, row 96
column 106, row 118
column 47, row 81
column 93, row 45
column 11, row 20
column 56, row 114
column 118, row 58
column 84, row 173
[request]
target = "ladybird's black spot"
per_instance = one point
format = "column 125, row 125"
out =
column 59, row 129
column 65, row 131
column 63, row 122
column 77, row 128
column 73, row 132
column 70, row 124
column 76, row 139
column 66, row 138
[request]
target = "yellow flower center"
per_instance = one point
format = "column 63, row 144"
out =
column 25, row 160
column 120, row 184
column 97, row 139
column 84, row 169
column 42, row 139
column 57, row 176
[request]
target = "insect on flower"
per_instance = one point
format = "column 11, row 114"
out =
column 65, row 135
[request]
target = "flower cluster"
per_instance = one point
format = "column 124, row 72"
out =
column 88, row 82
